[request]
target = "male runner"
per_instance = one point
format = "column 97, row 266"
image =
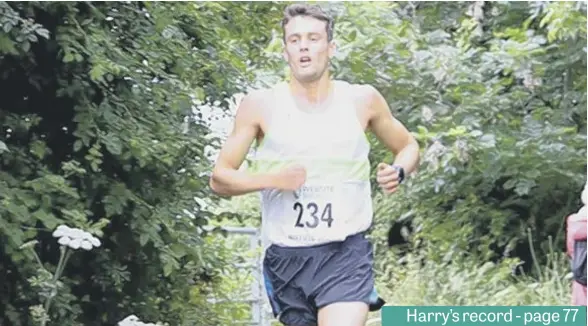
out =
column 312, row 170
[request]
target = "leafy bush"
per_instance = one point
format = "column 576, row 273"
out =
column 98, row 132
column 496, row 95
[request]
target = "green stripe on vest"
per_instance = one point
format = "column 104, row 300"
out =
column 324, row 170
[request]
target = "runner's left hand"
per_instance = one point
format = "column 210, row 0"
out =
column 387, row 178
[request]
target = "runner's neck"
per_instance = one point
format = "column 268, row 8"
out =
column 314, row 93
column 312, row 98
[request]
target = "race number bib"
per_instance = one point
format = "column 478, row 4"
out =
column 310, row 214
column 313, row 207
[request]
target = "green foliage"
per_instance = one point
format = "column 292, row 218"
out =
column 229, row 296
column 498, row 104
column 98, row 132
column 411, row 281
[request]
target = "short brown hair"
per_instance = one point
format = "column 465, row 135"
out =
column 313, row 11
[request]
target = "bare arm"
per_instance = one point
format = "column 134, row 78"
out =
column 392, row 132
column 226, row 179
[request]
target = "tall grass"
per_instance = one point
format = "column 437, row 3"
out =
column 420, row 282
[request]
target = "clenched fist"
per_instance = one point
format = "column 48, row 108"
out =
column 388, row 178
column 291, row 178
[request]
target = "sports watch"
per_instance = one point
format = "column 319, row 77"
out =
column 400, row 170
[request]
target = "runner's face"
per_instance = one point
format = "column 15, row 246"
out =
column 307, row 49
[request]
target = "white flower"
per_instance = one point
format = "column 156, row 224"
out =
column 133, row 320
column 129, row 321
column 75, row 238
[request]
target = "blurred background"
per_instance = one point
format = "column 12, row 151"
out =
column 111, row 114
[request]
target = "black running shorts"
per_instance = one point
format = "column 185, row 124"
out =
column 299, row 281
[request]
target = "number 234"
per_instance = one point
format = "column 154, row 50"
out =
column 326, row 215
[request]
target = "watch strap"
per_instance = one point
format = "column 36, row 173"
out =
column 400, row 173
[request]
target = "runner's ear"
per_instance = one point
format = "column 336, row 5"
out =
column 332, row 49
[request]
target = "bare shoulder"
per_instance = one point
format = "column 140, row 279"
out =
column 251, row 102
column 368, row 99
column 253, row 106
column 363, row 92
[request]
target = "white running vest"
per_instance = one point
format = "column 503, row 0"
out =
column 335, row 200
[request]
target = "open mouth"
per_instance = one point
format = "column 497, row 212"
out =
column 305, row 61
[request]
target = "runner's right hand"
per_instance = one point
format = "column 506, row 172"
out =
column 291, row 178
